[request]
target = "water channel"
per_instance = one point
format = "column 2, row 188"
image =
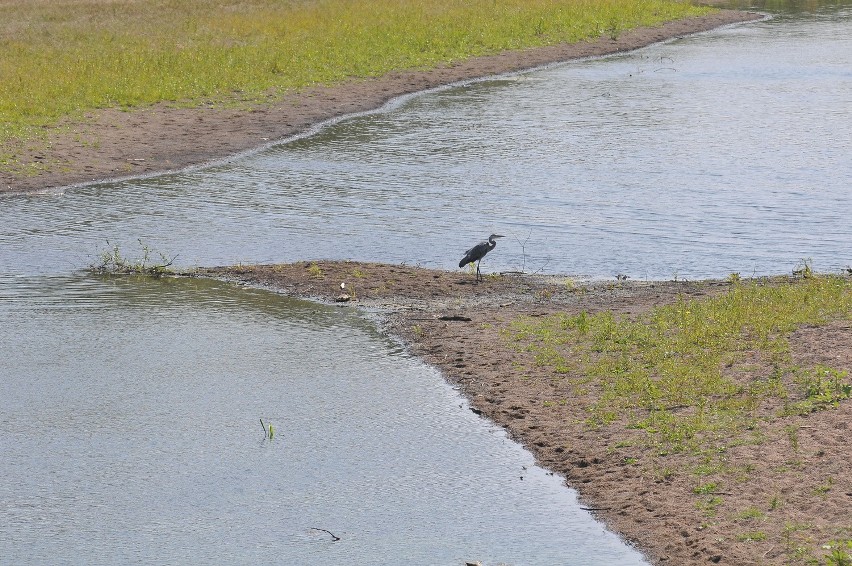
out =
column 129, row 409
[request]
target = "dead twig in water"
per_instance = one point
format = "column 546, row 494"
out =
column 523, row 249
column 334, row 537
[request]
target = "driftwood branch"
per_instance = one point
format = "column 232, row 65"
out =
column 334, row 537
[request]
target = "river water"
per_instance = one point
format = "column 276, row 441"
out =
column 129, row 408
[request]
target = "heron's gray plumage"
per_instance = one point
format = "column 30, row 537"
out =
column 477, row 252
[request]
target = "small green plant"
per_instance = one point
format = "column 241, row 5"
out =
column 841, row 553
column 111, row 261
column 709, row 505
column 824, row 387
column 705, row 488
column 751, row 513
column 823, row 489
column 666, row 474
column 754, row 536
column 793, row 436
column 803, row 269
column 268, row 430
column 315, row 270
column 774, row 503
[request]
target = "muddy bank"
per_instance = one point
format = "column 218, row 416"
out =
column 779, row 501
column 116, row 144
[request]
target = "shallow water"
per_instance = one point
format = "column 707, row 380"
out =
column 129, row 409
column 130, row 432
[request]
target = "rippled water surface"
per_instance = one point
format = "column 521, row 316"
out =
column 130, row 433
column 129, row 409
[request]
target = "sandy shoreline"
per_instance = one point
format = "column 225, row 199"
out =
column 769, row 505
column 116, row 144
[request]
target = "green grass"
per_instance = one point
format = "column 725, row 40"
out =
column 669, row 372
column 62, row 58
column 113, row 262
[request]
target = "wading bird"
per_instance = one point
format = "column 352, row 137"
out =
column 477, row 252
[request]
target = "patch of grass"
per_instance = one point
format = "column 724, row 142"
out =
column 824, row 387
column 705, row 488
column 315, row 270
column 111, row 261
column 709, row 505
column 667, row 371
column 751, row 513
column 798, row 542
column 752, row 536
column 840, row 553
column 823, row 489
column 61, row 58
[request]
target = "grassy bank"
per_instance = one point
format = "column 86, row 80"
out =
column 61, row 58
column 698, row 375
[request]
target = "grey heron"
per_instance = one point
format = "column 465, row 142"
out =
column 477, row 252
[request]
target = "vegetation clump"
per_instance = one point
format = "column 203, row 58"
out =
column 112, row 262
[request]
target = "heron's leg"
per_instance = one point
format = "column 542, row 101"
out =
column 478, row 274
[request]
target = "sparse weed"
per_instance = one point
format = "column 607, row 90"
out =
column 824, row 387
column 841, row 553
column 705, row 488
column 823, row 489
column 751, row 513
column 774, row 503
column 315, row 271
column 752, row 536
column 111, row 261
column 709, row 505
column 662, row 372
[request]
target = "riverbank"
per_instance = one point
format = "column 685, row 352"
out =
column 114, row 144
column 780, row 494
